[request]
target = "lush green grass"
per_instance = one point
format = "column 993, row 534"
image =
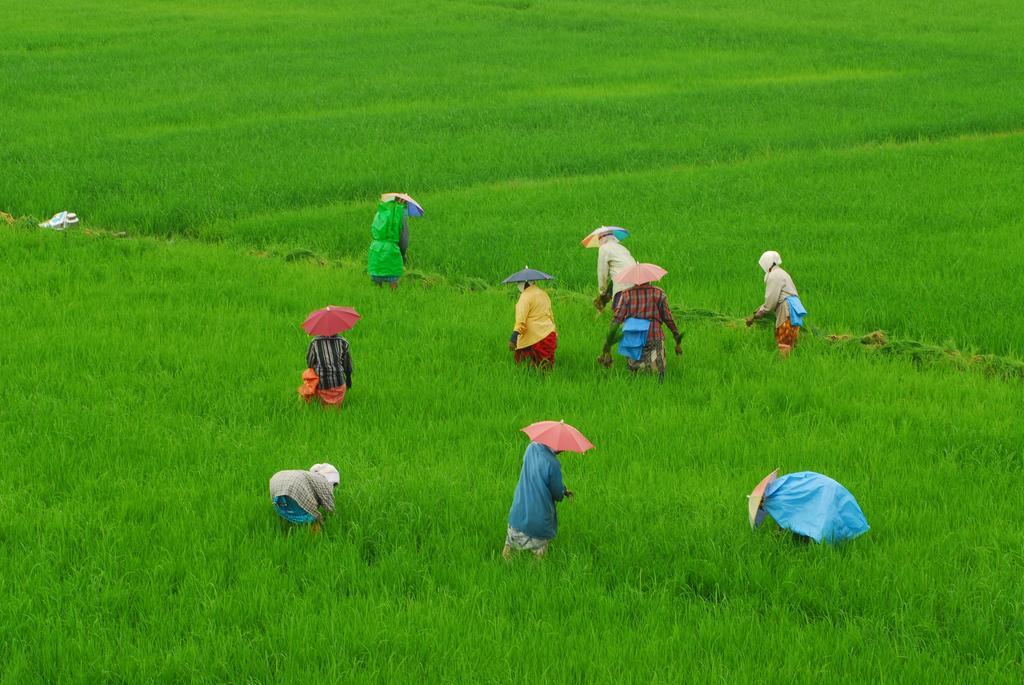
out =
column 862, row 140
column 148, row 384
column 921, row 239
column 149, row 394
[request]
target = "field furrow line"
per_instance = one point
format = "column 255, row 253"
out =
column 891, row 143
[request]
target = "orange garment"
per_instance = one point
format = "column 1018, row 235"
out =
column 310, row 381
column 786, row 334
column 310, row 389
column 333, row 397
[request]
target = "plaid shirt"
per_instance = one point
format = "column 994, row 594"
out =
column 646, row 302
column 309, row 490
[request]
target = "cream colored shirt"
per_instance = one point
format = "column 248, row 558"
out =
column 534, row 320
column 612, row 259
column 778, row 285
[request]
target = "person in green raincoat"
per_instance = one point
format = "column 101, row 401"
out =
column 390, row 232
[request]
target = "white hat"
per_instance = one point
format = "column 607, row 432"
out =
column 328, row 472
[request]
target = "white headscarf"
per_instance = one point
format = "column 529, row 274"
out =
column 768, row 260
column 606, row 238
column 328, row 472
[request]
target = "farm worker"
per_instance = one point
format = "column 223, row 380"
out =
column 809, row 504
column 612, row 259
column 533, row 337
column 329, row 373
column 644, row 302
column 533, row 519
column 778, row 287
column 299, row 495
column 390, row 231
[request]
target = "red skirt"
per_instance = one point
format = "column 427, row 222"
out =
column 540, row 353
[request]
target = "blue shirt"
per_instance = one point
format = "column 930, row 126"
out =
column 540, row 486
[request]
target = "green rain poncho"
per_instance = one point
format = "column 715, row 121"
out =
column 385, row 255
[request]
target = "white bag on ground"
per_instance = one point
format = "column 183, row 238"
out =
column 60, row 221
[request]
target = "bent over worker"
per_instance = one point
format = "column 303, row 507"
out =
column 299, row 495
column 778, row 289
column 644, row 302
column 612, row 259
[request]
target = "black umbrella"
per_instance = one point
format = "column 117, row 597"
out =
column 528, row 275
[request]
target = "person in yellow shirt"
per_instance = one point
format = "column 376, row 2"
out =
column 534, row 338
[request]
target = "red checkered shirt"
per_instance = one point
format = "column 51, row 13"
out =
column 646, row 302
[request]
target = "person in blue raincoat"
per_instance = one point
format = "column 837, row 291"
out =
column 533, row 519
column 810, row 505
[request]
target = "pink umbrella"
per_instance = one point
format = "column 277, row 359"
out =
column 755, row 497
column 638, row 274
column 330, row 320
column 559, row 436
column 415, row 208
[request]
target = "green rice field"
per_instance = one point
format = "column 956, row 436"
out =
column 225, row 158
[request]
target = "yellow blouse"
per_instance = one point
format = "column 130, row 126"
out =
column 534, row 321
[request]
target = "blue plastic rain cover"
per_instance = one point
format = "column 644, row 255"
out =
column 814, row 505
column 634, row 337
column 796, row 311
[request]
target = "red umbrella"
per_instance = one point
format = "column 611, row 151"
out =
column 330, row 320
column 558, row 435
column 638, row 274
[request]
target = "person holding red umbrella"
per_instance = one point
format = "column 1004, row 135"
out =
column 533, row 518
column 328, row 358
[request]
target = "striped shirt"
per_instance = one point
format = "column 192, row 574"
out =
column 309, row 490
column 329, row 356
column 647, row 302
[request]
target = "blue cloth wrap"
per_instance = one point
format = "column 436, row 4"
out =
column 289, row 510
column 634, row 337
column 796, row 311
column 814, row 505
